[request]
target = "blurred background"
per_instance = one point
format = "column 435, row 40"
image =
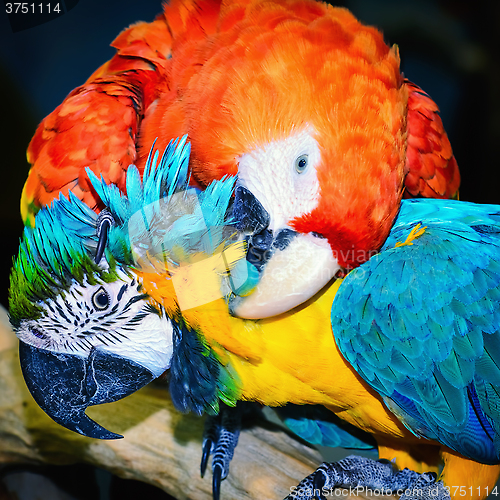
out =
column 451, row 48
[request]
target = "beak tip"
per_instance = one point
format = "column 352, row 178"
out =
column 82, row 424
column 97, row 431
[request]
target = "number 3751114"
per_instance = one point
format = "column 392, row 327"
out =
column 458, row 491
column 32, row 8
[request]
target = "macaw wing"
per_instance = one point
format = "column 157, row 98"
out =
column 97, row 124
column 431, row 169
column 318, row 425
column 420, row 323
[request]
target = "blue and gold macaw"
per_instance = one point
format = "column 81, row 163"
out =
column 420, row 323
column 415, row 356
column 83, row 317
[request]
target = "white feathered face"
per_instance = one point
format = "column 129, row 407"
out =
column 282, row 176
column 115, row 317
column 278, row 183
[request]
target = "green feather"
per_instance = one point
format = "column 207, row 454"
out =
column 156, row 219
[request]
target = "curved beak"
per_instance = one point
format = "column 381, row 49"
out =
column 292, row 266
column 64, row 385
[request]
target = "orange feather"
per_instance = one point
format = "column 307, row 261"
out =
column 236, row 74
column 97, row 124
column 282, row 67
column 431, row 169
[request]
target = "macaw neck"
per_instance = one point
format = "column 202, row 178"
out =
column 297, row 356
column 288, row 358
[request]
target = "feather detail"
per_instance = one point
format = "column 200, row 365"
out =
column 319, row 426
column 431, row 169
column 158, row 222
column 108, row 106
column 197, row 378
column 59, row 249
column 247, row 64
column 430, row 342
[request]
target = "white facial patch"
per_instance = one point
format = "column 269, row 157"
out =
column 115, row 317
column 282, row 176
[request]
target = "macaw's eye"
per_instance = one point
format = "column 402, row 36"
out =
column 301, row 163
column 101, row 299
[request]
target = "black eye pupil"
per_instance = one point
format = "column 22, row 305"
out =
column 102, row 299
column 301, row 163
column 37, row 333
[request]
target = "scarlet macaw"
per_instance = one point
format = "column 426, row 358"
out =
column 233, row 77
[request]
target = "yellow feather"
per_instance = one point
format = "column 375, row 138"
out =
column 288, row 358
column 294, row 358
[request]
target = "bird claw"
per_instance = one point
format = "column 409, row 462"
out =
column 426, row 488
column 206, row 451
column 220, row 438
column 105, row 221
column 360, row 474
column 319, row 480
column 217, row 473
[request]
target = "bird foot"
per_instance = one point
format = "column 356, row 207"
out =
column 220, row 438
column 360, row 475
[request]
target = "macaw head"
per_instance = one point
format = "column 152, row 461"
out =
column 89, row 330
column 310, row 114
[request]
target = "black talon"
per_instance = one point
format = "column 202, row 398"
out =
column 211, row 435
column 207, row 450
column 433, row 475
column 216, row 480
column 319, row 482
column 384, row 461
column 104, row 223
column 103, row 239
column 220, row 438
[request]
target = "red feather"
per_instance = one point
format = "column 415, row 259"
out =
column 431, row 169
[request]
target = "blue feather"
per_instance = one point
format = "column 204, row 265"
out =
column 319, row 426
column 61, row 246
column 433, row 348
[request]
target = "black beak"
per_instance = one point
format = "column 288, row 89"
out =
column 64, row 385
column 253, row 220
column 249, row 213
